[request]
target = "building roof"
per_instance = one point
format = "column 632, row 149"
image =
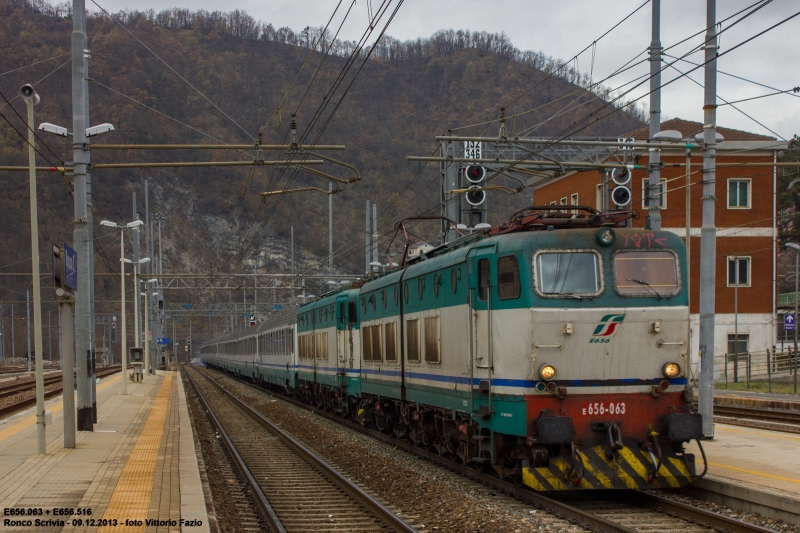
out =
column 690, row 129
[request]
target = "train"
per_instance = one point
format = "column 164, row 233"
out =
column 551, row 349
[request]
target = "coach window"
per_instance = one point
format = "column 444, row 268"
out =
column 432, row 340
column 647, row 274
column 412, row 340
column 483, row 279
column 508, row 286
column 390, row 334
column 568, row 274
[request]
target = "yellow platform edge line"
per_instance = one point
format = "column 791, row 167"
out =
column 755, row 473
column 131, row 498
column 31, row 420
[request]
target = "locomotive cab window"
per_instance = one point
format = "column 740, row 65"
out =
column 568, row 274
column 508, row 287
column 646, row 274
column 352, row 313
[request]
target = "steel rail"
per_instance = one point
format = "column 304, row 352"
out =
column 22, row 404
column 708, row 519
column 371, row 504
column 560, row 509
column 261, row 500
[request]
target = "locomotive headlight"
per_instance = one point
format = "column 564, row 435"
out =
column 606, row 236
column 671, row 370
column 547, row 372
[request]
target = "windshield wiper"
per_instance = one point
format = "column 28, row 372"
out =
column 567, row 294
column 640, row 282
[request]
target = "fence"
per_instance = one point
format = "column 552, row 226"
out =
column 773, row 367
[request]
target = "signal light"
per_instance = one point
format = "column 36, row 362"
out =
column 475, row 173
column 161, row 304
column 621, row 176
column 621, row 195
column 476, row 196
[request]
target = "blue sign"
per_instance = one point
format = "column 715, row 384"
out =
column 187, row 306
column 70, row 268
column 788, row 322
column 277, row 307
column 162, row 340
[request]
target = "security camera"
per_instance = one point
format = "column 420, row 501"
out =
column 55, row 130
column 27, row 93
column 98, row 130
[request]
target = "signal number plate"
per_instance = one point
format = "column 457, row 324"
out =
column 604, row 408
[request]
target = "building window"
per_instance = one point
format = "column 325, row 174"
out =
column 738, row 271
column 573, row 200
column 661, row 192
column 739, row 194
column 743, row 346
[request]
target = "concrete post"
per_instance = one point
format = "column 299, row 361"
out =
column 124, row 343
column 90, row 253
column 708, row 232
column 37, row 293
column 375, row 233
column 366, row 234
column 65, row 306
column 80, row 233
column 654, row 155
column 330, row 227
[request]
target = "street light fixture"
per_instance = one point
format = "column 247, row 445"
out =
column 796, row 249
column 122, row 261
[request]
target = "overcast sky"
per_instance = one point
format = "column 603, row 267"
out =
column 563, row 28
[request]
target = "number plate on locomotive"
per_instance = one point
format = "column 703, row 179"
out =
column 603, row 408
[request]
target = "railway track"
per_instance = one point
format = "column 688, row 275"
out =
column 30, row 386
column 606, row 512
column 295, row 490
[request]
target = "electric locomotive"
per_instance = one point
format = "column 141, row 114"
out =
column 551, row 349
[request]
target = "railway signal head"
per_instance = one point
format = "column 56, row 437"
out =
column 475, row 173
column 476, row 196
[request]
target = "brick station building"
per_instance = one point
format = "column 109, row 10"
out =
column 744, row 217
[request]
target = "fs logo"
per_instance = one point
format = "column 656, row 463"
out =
column 608, row 325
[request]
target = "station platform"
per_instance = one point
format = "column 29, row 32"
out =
column 757, row 399
column 138, row 464
column 753, row 466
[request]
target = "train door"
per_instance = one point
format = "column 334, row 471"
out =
column 480, row 291
column 343, row 345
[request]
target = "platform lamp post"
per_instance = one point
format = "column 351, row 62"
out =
column 146, row 330
column 796, row 249
column 122, row 261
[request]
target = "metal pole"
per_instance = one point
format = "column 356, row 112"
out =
column 689, row 255
column 736, row 322
column 375, row 232
column 122, row 318
column 50, row 336
column 796, row 272
column 65, row 304
column 293, row 280
column 654, row 155
column 708, row 232
column 137, row 271
column 13, row 344
column 80, row 234
column 146, row 343
column 28, row 310
column 366, row 232
column 330, row 227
